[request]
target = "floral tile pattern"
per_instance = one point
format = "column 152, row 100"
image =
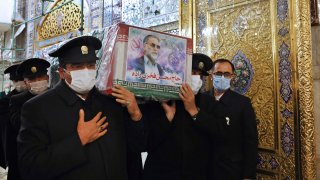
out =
column 260, row 161
column 243, row 71
column 274, row 163
column 282, row 10
column 283, row 32
column 287, row 139
column 286, row 113
column 285, row 72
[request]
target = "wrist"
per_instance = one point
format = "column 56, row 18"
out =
column 195, row 115
column 136, row 116
column 83, row 139
column 194, row 111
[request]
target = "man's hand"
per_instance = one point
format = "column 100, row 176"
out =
column 188, row 99
column 170, row 110
column 90, row 131
column 127, row 99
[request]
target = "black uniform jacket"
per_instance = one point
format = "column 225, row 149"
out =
column 178, row 150
column 234, row 136
column 4, row 122
column 49, row 146
column 16, row 103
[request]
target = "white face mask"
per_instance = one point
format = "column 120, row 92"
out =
column 38, row 87
column 82, row 80
column 6, row 90
column 196, row 83
column 220, row 83
column 20, row 86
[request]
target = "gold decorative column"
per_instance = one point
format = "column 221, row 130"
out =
column 185, row 21
column 302, row 41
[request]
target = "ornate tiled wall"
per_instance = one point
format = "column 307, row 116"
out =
column 31, row 5
column 160, row 15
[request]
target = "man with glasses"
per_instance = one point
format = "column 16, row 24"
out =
column 146, row 66
column 233, row 130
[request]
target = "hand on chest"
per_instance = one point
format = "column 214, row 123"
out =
column 68, row 118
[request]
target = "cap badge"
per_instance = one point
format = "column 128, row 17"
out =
column 33, row 69
column 84, row 49
column 201, row 65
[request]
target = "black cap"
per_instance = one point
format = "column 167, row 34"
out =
column 78, row 50
column 202, row 63
column 12, row 70
column 33, row 67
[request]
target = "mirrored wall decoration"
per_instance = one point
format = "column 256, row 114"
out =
column 107, row 18
column 240, row 25
column 149, row 13
column 116, row 11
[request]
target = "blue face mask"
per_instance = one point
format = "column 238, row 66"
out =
column 220, row 83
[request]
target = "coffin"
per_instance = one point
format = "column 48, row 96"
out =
column 151, row 64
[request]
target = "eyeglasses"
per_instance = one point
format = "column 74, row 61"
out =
column 154, row 45
column 225, row 74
